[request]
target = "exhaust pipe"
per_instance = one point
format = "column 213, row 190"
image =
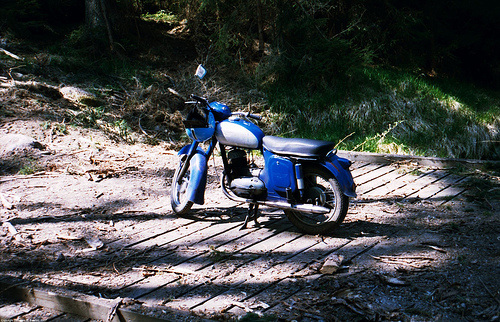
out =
column 300, row 207
column 277, row 204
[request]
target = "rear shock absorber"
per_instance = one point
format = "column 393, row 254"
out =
column 299, row 175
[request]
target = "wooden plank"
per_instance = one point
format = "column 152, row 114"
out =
column 414, row 184
column 366, row 169
column 438, row 186
column 235, row 271
column 172, row 237
column 167, row 247
column 449, row 194
column 165, row 253
column 69, row 318
column 374, row 175
column 174, row 260
column 387, row 178
column 116, row 282
column 11, row 311
column 441, row 163
column 419, row 185
column 256, row 283
column 357, row 165
column 143, row 230
column 274, row 296
column 401, row 247
column 234, row 240
column 257, row 268
column 40, row 314
column 76, row 303
column 176, row 245
column 390, row 188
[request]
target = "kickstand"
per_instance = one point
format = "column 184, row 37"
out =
column 253, row 213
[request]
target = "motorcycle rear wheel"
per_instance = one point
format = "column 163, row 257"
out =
column 324, row 190
column 178, row 193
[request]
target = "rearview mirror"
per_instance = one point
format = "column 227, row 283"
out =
column 200, row 72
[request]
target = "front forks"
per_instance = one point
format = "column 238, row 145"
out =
column 186, row 159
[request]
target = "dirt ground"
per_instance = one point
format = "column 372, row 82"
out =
column 85, row 187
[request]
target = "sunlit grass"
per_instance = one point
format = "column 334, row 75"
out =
column 390, row 111
column 160, row 16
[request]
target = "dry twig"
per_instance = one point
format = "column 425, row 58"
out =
column 114, row 308
column 6, row 204
column 400, row 260
column 8, row 53
column 489, row 291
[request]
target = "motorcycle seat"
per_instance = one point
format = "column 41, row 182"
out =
column 297, row 147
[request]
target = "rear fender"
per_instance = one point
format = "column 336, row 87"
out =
column 339, row 168
column 198, row 176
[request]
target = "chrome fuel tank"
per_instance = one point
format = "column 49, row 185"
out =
column 239, row 133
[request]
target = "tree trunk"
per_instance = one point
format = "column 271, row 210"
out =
column 260, row 27
column 96, row 19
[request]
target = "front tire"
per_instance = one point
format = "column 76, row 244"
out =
column 324, row 190
column 178, row 193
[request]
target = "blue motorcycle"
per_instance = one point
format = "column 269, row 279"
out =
column 303, row 177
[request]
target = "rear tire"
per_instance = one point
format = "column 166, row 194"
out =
column 324, row 190
column 178, row 192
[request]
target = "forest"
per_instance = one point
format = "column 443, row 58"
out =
column 410, row 77
column 92, row 99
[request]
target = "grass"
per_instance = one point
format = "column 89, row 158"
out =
column 29, row 167
column 57, row 128
column 160, row 16
column 372, row 109
column 392, row 111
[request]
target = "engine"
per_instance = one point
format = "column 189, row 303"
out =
column 243, row 183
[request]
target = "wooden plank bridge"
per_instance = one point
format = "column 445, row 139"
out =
column 204, row 266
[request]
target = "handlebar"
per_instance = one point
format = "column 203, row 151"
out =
column 204, row 102
column 248, row 115
column 199, row 99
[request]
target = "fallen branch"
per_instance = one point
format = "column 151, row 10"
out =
column 436, row 248
column 403, row 257
column 68, row 237
column 240, row 305
column 93, row 159
column 391, row 260
column 8, row 53
column 400, row 263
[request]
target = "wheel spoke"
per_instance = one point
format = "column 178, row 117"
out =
column 323, row 190
column 179, row 192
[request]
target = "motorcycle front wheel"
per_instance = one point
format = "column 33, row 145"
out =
column 321, row 189
column 178, row 193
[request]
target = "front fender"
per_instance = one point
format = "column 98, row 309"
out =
column 198, row 175
column 339, row 168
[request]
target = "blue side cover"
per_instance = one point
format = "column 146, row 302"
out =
column 198, row 176
column 278, row 174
